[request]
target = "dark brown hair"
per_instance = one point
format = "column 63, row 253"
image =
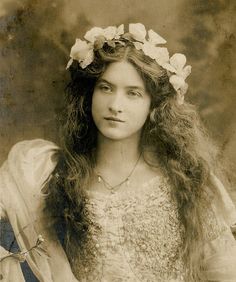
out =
column 173, row 132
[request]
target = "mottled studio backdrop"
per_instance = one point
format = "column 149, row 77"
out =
column 35, row 40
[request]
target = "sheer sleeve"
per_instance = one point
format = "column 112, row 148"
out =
column 2, row 208
column 10, row 269
column 220, row 246
column 27, row 167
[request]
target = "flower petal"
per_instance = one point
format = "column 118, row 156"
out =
column 69, row 63
column 162, row 55
column 155, row 38
column 110, row 32
column 93, row 33
column 87, row 60
column 180, row 93
column 149, row 50
column 186, row 71
column 99, row 42
column 138, row 31
column 169, row 67
column 82, row 52
column 177, row 81
column 120, row 31
column 138, row 45
column 180, row 97
column 178, row 61
column 184, row 88
column 80, row 49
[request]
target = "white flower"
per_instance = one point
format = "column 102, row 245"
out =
column 177, row 65
column 159, row 54
column 112, row 32
column 177, row 81
column 87, row 60
column 162, row 55
column 180, row 93
column 69, row 63
column 94, row 32
column 119, row 31
column 138, row 45
column 155, row 38
column 82, row 52
column 180, row 73
column 138, row 31
column 80, row 49
column 180, row 86
column 149, row 50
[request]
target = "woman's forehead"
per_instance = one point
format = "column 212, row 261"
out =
column 122, row 73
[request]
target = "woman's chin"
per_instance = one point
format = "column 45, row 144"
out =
column 114, row 137
column 118, row 135
column 114, row 134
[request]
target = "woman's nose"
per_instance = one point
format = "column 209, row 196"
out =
column 116, row 103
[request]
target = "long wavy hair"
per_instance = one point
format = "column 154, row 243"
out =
column 174, row 133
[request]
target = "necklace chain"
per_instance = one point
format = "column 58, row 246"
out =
column 112, row 188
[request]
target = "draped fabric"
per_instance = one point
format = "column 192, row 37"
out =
column 140, row 235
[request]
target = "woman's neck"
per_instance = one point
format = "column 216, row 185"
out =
column 117, row 156
column 118, row 161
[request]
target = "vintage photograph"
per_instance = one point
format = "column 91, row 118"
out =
column 118, row 141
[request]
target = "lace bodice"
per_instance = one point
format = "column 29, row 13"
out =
column 140, row 234
column 140, row 237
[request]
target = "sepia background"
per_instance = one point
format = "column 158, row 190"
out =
column 35, row 41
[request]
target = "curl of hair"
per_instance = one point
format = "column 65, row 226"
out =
column 172, row 131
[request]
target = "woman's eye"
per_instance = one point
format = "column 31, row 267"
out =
column 134, row 94
column 105, row 88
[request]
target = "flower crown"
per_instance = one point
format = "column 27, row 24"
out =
column 83, row 51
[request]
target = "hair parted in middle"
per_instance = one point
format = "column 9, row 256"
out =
column 172, row 132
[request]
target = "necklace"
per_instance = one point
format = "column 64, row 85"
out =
column 113, row 188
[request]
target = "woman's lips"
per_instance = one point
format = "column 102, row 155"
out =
column 113, row 119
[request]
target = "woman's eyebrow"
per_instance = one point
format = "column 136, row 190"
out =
column 135, row 87
column 105, row 81
column 102, row 80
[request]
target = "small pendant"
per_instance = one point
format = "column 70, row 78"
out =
column 99, row 179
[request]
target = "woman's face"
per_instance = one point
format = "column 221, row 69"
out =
column 120, row 103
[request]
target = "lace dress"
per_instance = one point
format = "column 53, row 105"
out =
column 139, row 235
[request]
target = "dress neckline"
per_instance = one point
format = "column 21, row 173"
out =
column 148, row 183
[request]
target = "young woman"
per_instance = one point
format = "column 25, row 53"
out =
column 131, row 193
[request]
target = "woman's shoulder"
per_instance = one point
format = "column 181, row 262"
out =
column 30, row 148
column 218, row 212
column 32, row 160
column 223, row 200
